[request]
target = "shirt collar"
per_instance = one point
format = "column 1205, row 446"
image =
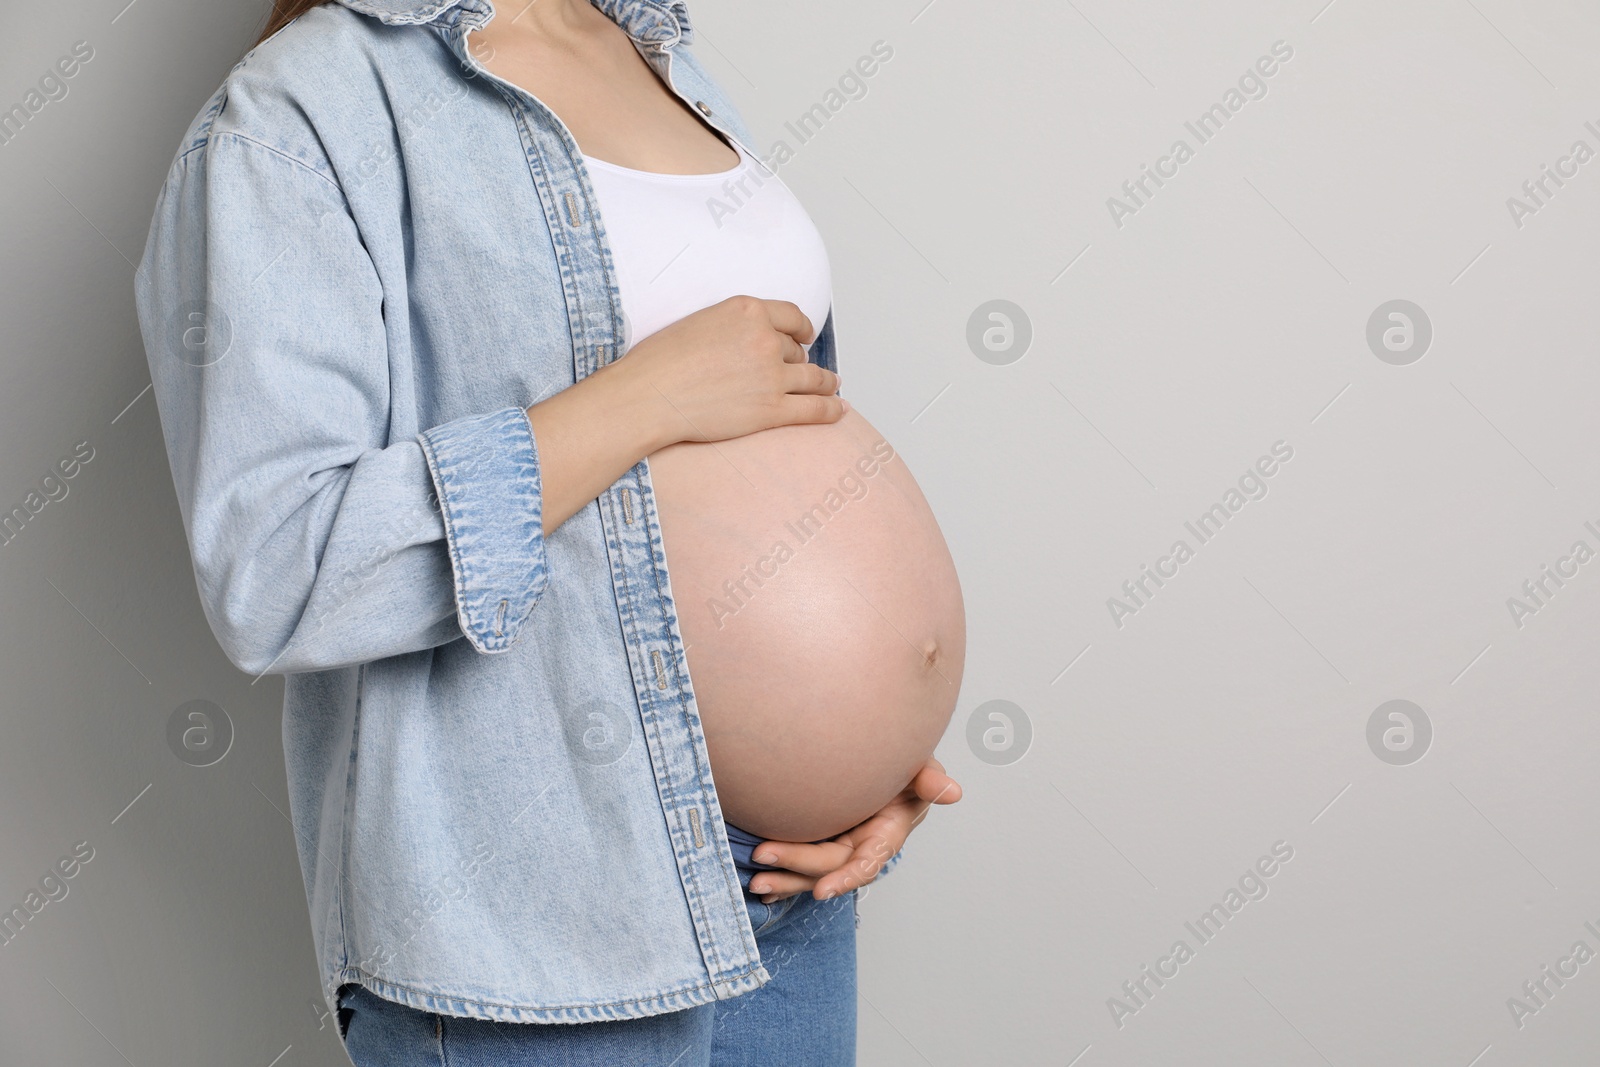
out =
column 657, row 22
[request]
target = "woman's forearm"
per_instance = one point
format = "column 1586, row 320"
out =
column 589, row 434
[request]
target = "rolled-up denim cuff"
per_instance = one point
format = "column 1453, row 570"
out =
column 485, row 471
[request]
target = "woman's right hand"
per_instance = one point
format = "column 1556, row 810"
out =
column 725, row 371
column 735, row 368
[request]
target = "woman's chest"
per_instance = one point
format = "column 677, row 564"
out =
column 680, row 243
column 489, row 237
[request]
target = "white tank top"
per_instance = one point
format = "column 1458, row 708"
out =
column 682, row 242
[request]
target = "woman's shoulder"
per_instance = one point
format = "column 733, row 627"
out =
column 321, row 80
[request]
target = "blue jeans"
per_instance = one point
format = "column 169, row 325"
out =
column 805, row 1016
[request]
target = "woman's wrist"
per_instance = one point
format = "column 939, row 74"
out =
column 631, row 397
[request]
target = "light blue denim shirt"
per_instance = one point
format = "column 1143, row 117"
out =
column 369, row 257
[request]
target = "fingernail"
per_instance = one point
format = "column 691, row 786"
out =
column 828, row 895
column 759, row 889
column 845, row 404
column 765, row 857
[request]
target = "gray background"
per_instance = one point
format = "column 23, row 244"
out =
column 1168, row 354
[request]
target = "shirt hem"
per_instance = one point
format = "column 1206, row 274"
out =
column 595, row 1011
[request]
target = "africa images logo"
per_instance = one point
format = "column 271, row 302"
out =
column 1251, row 886
column 1252, row 85
column 1252, row 485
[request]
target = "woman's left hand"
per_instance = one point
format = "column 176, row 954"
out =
column 855, row 857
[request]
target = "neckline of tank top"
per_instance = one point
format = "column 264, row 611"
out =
column 674, row 179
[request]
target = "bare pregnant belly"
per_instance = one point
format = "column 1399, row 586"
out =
column 822, row 616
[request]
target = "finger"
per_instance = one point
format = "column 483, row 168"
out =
column 793, row 352
column 810, row 859
column 787, row 317
column 810, row 378
column 775, row 885
column 862, row 867
column 799, row 408
column 935, row 786
column 892, row 824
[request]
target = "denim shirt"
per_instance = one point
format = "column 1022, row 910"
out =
column 370, row 256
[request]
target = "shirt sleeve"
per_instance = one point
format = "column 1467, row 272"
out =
column 318, row 542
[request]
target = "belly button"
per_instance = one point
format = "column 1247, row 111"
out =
column 930, row 652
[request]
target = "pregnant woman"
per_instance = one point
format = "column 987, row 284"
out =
column 463, row 325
